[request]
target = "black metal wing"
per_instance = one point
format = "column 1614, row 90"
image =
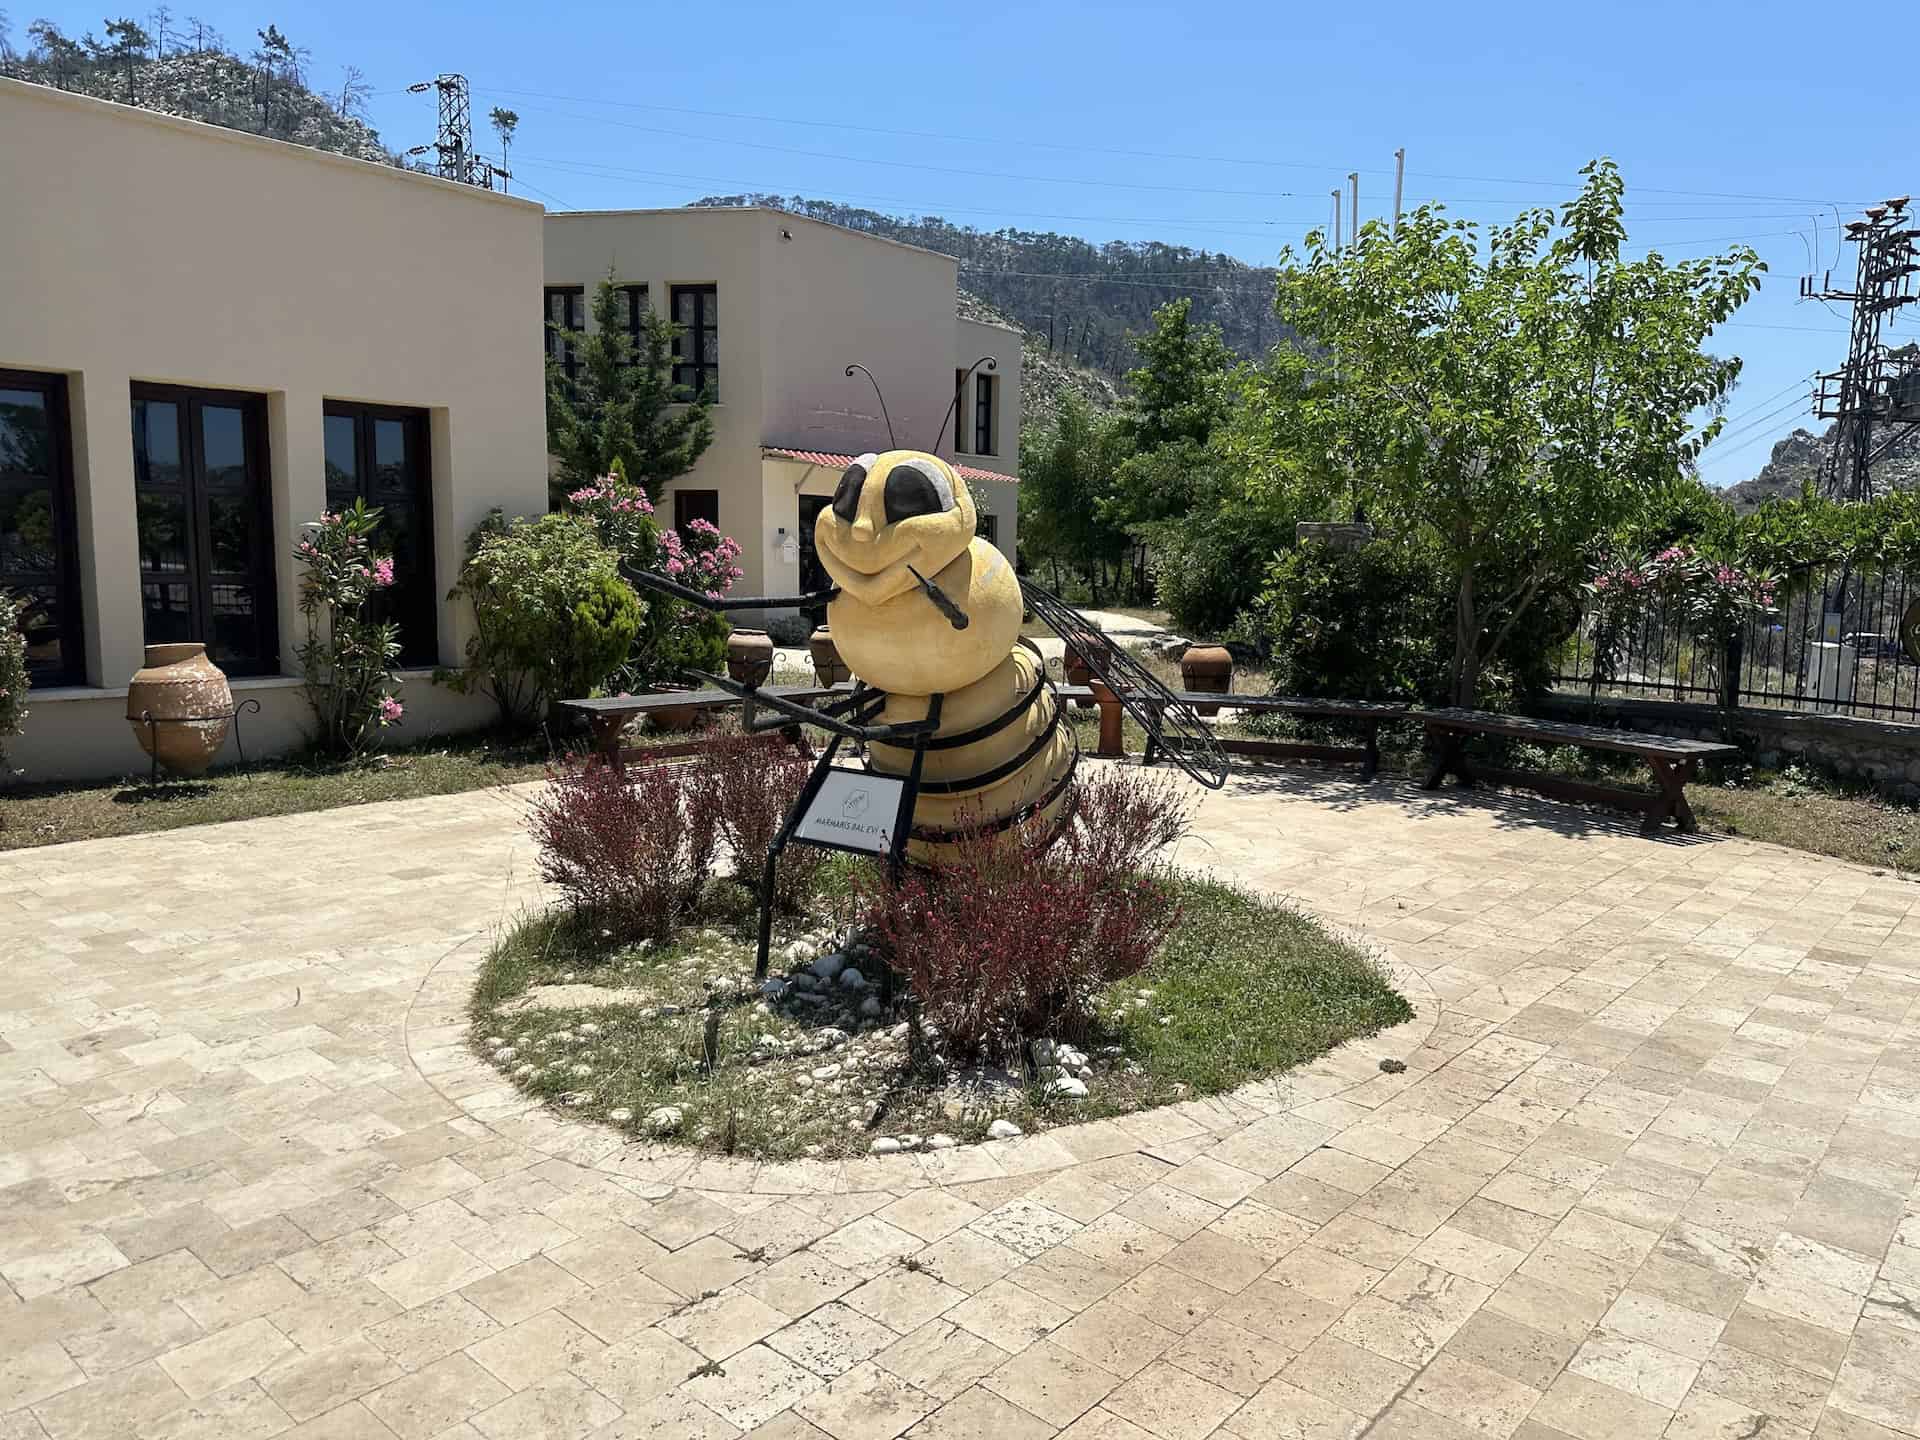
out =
column 1176, row 727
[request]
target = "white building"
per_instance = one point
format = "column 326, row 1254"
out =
column 774, row 308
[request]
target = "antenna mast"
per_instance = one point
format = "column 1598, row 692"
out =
column 1879, row 384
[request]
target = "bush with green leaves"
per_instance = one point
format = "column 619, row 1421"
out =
column 348, row 656
column 552, row 617
column 14, row 680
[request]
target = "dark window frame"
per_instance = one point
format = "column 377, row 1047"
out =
column 983, row 440
column 684, row 501
column 72, row 669
column 198, row 575
column 575, row 319
column 690, row 344
column 986, row 525
column 959, row 411
column 638, row 302
column 420, row 625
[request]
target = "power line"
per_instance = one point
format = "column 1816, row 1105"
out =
column 1116, row 151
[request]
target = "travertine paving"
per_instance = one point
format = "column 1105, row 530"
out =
column 1651, row 1169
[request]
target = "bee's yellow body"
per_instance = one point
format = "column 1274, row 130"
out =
column 906, row 509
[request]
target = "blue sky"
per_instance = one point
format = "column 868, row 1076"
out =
column 1727, row 121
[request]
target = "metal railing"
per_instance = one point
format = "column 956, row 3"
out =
column 1832, row 645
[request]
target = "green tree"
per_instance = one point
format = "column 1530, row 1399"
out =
column 505, row 122
column 126, row 43
column 1176, row 397
column 62, row 56
column 621, row 403
column 1512, row 398
column 1065, row 470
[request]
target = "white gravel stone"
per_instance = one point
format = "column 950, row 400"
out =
column 827, row 1072
column 620, row 1116
column 885, row 1145
column 665, row 1120
column 1003, row 1130
column 941, row 1142
column 1067, row 1088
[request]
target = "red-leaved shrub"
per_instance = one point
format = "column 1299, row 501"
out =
column 752, row 784
column 632, row 846
column 1015, row 934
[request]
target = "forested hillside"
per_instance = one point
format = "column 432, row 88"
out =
column 190, row 71
column 1081, row 300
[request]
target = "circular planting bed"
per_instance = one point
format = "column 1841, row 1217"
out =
column 675, row 1038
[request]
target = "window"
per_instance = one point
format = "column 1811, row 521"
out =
column 690, row 505
column 696, row 349
column 379, row 454
column 633, row 304
column 207, row 547
column 983, row 415
column 987, row 527
column 565, row 310
column 959, row 413
column 37, row 560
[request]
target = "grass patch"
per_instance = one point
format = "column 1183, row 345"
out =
column 1800, row 811
column 55, row 812
column 1246, row 988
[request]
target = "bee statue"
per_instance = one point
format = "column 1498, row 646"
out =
column 950, row 704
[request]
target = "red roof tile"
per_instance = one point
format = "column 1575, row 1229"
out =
column 840, row 462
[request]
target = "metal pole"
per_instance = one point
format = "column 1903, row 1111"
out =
column 1399, row 181
column 1335, row 192
column 1353, row 236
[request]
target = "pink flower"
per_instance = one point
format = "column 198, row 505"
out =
column 383, row 571
column 391, row 710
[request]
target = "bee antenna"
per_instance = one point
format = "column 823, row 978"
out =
column 958, row 386
column 892, row 444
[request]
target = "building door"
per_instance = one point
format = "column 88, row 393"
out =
column 813, row 575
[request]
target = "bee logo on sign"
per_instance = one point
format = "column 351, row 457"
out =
column 853, row 810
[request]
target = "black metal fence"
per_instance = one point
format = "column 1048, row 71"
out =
column 1833, row 644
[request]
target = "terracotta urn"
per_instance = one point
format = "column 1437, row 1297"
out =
column 749, row 657
column 1078, row 672
column 1209, row 670
column 828, row 667
column 673, row 718
column 186, row 697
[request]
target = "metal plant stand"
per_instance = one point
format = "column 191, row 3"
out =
column 153, row 724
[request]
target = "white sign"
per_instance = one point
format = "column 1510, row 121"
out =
column 1830, row 626
column 853, row 811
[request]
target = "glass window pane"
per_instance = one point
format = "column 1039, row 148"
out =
column 46, row 646
column 162, row 521
column 392, row 475
column 156, row 442
column 710, row 346
column 223, row 443
column 343, row 461
column 230, row 526
column 236, row 631
column 168, row 615
column 29, row 544
column 683, row 307
column 712, row 307
column 26, row 437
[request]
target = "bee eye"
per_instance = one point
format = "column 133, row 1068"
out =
column 911, row 491
column 846, row 497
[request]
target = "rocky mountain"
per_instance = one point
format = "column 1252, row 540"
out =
column 1079, row 300
column 1047, row 376
column 265, row 95
column 1802, row 457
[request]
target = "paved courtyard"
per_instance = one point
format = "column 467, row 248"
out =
column 1650, row 1170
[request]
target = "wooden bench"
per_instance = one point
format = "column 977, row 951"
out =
column 1673, row 762
column 608, row 716
column 1368, row 715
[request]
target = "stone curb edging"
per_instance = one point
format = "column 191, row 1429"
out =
column 436, row 1037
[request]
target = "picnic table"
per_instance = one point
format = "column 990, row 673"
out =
column 608, row 716
column 1673, row 762
column 1368, row 715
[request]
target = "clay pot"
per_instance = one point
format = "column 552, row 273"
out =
column 187, row 698
column 1078, row 671
column 828, row 667
column 749, row 657
column 673, row 718
column 1208, row 669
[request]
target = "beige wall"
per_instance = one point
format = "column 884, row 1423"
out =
column 139, row 247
